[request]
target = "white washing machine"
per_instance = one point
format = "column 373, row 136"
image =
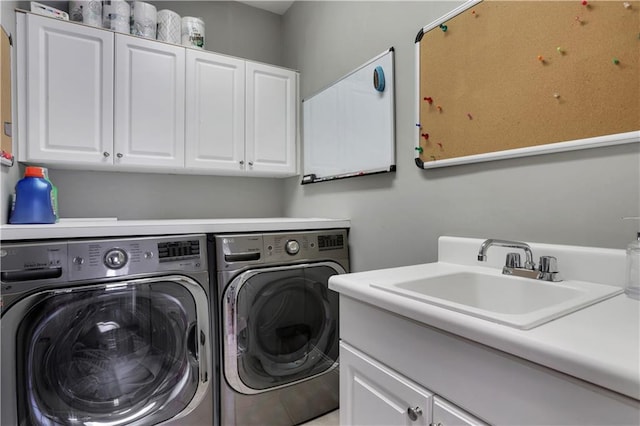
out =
column 279, row 325
column 106, row 332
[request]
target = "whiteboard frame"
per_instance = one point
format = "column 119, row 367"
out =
column 572, row 145
column 312, row 178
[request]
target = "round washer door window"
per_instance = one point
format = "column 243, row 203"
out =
column 287, row 326
column 109, row 356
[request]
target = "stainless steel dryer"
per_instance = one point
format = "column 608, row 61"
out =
column 106, row 332
column 279, row 325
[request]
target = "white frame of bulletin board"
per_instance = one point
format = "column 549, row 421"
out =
column 548, row 77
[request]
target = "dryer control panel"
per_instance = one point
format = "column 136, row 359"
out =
column 237, row 251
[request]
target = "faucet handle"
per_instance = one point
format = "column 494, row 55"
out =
column 513, row 260
column 548, row 264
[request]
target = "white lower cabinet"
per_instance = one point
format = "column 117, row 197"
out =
column 373, row 394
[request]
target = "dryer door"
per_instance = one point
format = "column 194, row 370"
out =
column 280, row 326
column 132, row 352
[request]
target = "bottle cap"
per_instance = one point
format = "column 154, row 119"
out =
column 31, row 171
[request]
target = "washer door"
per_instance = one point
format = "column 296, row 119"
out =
column 280, row 326
column 116, row 354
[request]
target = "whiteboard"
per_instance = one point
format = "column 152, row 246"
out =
column 349, row 126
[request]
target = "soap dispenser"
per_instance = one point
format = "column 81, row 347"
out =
column 632, row 283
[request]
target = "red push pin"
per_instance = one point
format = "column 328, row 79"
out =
column 425, row 136
column 439, row 144
column 428, row 99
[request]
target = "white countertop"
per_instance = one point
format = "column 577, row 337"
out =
column 80, row 228
column 599, row 344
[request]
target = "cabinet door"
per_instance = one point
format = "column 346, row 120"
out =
column 271, row 115
column 149, row 103
column 372, row 394
column 69, row 77
column 214, row 112
column 447, row 414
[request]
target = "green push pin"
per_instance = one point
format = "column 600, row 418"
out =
column 419, row 149
column 616, row 61
column 443, row 27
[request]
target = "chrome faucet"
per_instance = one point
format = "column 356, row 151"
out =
column 546, row 271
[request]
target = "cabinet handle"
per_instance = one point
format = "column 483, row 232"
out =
column 105, row 154
column 250, row 163
column 119, row 155
column 241, row 162
column 413, row 413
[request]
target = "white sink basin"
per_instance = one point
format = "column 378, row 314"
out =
column 518, row 302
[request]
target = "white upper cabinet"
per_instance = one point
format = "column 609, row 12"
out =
column 214, row 111
column 89, row 97
column 149, row 103
column 67, row 72
column 271, row 115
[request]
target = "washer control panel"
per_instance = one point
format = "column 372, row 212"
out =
column 75, row 260
column 117, row 257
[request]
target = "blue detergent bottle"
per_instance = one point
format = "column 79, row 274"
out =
column 34, row 201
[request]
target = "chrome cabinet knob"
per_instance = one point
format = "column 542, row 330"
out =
column 513, row 260
column 414, row 413
column 106, row 154
column 119, row 155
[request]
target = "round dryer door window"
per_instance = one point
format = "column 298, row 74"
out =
column 111, row 355
column 285, row 327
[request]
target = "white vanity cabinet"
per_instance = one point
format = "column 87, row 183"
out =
column 149, row 103
column 241, row 116
column 66, row 79
column 373, row 394
column 90, row 97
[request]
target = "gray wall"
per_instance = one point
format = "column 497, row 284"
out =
column 230, row 28
column 569, row 198
column 8, row 175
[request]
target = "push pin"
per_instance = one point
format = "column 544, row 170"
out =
column 473, row 12
column 585, row 3
column 419, row 149
column 579, row 20
column 425, row 136
column 626, row 5
column 541, row 58
column 470, row 116
column 616, row 61
column 439, row 144
column 429, row 99
column 439, row 108
column 560, row 50
column 556, row 95
column 443, row 27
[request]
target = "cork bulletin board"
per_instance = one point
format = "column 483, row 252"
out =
column 501, row 79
